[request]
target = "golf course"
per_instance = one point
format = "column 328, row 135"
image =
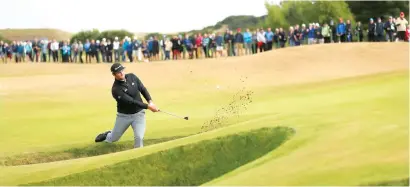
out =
column 331, row 114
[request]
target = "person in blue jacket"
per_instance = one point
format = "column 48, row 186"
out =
column 87, row 51
column 20, row 52
column 65, row 52
column 311, row 34
column 341, row 30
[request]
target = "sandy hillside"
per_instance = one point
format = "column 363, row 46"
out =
column 283, row 66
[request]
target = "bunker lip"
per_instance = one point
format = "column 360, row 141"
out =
column 76, row 152
column 209, row 159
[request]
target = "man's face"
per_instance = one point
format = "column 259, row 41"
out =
column 119, row 75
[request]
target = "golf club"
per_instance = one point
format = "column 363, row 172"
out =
column 186, row 118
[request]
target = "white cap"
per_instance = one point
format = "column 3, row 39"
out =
column 104, row 39
column 98, row 41
column 116, row 38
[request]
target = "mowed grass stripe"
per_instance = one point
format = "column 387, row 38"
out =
column 188, row 165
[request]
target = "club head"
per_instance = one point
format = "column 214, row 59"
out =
column 186, row 118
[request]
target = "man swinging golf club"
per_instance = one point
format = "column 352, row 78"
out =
column 126, row 91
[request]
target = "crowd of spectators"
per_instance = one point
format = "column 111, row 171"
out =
column 206, row 45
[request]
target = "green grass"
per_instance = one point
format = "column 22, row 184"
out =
column 77, row 152
column 187, row 165
column 349, row 132
column 400, row 182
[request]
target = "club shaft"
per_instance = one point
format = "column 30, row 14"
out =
column 171, row 114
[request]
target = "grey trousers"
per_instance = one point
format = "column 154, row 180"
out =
column 123, row 121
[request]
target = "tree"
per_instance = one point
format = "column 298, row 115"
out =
column 364, row 10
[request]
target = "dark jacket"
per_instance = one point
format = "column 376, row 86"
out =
column 128, row 94
column 380, row 28
column 239, row 38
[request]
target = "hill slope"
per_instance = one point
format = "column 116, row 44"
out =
column 30, row 34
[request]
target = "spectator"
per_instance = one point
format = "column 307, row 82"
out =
column 128, row 49
column 255, row 42
column 50, row 52
column 291, row 36
column 29, row 50
column 282, row 38
column 349, row 35
column 227, row 43
column 219, row 45
column 231, row 44
column 74, row 51
column 44, row 48
column 401, row 23
column 198, row 43
column 311, row 34
column 168, row 48
column 261, row 40
column 390, row 29
column 212, row 45
column 108, row 50
column 103, row 49
column 239, row 42
column 36, row 49
column 20, row 51
column 175, row 48
column 334, row 31
column 94, row 50
column 407, row 33
column 9, row 52
column 54, row 49
column 65, row 52
column 80, row 51
column 341, row 31
column 116, row 47
column 297, row 35
column 247, row 37
column 371, row 32
column 359, row 31
column 276, row 38
column 326, row 33
column 205, row 45
column 2, row 51
column 380, row 30
column 145, row 51
column 304, row 32
column 88, row 53
column 135, row 50
column 155, row 48
column 189, row 46
column 319, row 35
column 269, row 39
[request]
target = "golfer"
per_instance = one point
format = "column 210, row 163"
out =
column 126, row 91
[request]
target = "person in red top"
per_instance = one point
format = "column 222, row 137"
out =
column 198, row 43
column 407, row 33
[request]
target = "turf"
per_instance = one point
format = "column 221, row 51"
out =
column 350, row 131
column 187, row 165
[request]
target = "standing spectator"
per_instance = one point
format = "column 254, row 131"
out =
column 380, row 30
column 239, row 42
column 282, row 38
column 341, row 31
column 219, row 45
column 359, row 31
column 212, row 45
column 231, row 45
column 36, row 49
column 65, row 52
column 390, row 29
column 291, row 37
column 94, row 50
column 205, row 45
column 108, row 50
column 29, row 50
column 407, row 33
column 175, row 48
column 145, row 51
column 103, row 49
column 168, row 48
column 155, row 48
column 349, row 31
column 371, row 32
column 50, row 52
column 54, row 49
column 135, row 49
column 116, row 47
column 44, row 49
column 326, row 33
column 297, row 35
column 227, row 43
column 401, row 24
column 189, row 46
column 74, row 51
column 20, row 51
column 150, row 47
column 269, row 39
column 334, row 31
column 319, row 35
column 304, row 33
column 261, row 40
column 2, row 51
column 80, row 51
column 311, row 34
column 276, row 38
column 255, row 42
column 247, row 37
column 14, row 48
column 128, row 49
column 9, row 52
column 88, row 53
column 198, row 43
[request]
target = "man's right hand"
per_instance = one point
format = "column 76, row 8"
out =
column 152, row 107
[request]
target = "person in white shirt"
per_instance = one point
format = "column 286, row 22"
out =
column 260, row 37
column 54, row 49
column 116, row 47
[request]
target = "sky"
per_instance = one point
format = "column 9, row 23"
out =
column 133, row 15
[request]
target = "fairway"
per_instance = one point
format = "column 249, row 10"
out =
column 334, row 114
